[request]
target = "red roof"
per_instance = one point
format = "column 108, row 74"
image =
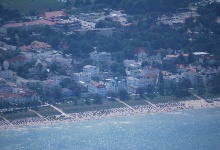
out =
column 150, row 75
column 191, row 69
column 54, row 14
column 96, row 84
column 179, row 66
column 31, row 23
column 139, row 50
column 19, row 58
column 7, row 95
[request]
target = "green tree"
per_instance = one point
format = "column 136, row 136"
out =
column 123, row 95
column 97, row 99
column 65, row 82
column 140, row 91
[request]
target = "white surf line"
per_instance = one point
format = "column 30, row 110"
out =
column 39, row 115
column 7, row 121
column 125, row 104
column 62, row 112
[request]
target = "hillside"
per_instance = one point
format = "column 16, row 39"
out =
column 39, row 5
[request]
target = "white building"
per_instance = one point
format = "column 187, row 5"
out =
column 100, row 56
column 7, row 74
column 97, row 88
column 115, row 85
column 82, row 76
column 102, row 31
column 20, row 98
column 93, row 70
column 134, row 83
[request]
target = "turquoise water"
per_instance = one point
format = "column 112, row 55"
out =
column 191, row 130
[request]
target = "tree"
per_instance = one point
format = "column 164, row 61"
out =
column 57, row 93
column 144, row 63
column 97, row 99
column 140, row 91
column 32, row 12
column 88, row 2
column 39, row 66
column 68, row 3
column 123, row 95
column 87, row 101
column 78, row 3
column 191, row 58
column 65, row 82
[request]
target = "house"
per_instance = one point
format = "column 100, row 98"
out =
column 115, row 85
column 6, row 88
column 7, row 47
column 93, row 70
column 134, row 83
column 7, row 74
column 29, row 24
column 141, row 53
column 36, row 46
column 132, row 64
column 97, row 88
column 20, row 98
column 53, row 15
column 100, row 56
column 82, row 76
column 101, row 31
column 19, row 60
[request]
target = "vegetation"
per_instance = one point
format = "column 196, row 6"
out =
column 144, row 31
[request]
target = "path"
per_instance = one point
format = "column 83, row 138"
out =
column 198, row 96
column 62, row 112
column 153, row 105
column 39, row 115
column 117, row 99
column 7, row 120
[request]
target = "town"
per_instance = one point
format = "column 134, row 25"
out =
column 36, row 72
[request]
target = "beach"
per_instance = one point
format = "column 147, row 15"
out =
column 108, row 113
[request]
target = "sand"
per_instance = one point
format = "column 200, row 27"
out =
column 108, row 113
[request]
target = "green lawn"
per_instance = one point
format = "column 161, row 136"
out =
column 46, row 111
column 165, row 99
column 136, row 102
column 70, row 108
column 19, row 115
column 206, row 94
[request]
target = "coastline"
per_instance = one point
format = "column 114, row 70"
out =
column 108, row 113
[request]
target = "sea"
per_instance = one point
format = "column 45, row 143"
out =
column 183, row 130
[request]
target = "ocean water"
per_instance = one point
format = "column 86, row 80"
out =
column 183, row 130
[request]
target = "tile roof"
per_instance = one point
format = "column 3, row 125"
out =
column 54, row 14
column 19, row 58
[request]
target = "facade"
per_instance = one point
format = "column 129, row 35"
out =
column 115, row 85
column 134, row 83
column 102, row 31
column 7, row 74
column 82, row 76
column 93, row 70
column 20, row 98
column 100, row 56
column 5, row 88
column 97, row 88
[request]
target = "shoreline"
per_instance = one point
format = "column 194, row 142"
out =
column 108, row 113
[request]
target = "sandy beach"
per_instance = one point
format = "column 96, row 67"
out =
column 107, row 113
